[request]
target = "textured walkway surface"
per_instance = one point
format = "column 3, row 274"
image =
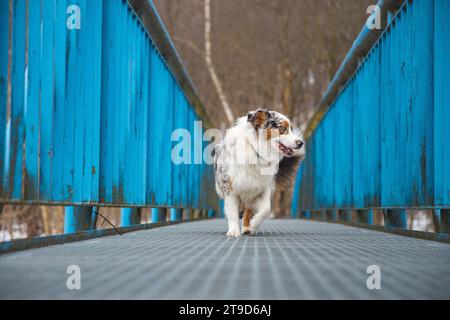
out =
column 290, row 259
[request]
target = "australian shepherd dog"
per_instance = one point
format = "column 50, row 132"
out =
column 262, row 151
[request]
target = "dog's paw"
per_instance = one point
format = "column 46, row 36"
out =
column 233, row 233
column 248, row 231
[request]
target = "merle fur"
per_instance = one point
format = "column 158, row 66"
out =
column 287, row 171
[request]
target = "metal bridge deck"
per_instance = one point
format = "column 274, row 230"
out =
column 291, row 259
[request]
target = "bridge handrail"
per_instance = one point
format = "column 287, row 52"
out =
column 359, row 50
column 377, row 142
column 88, row 110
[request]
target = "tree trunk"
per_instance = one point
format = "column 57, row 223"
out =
column 46, row 220
column 210, row 65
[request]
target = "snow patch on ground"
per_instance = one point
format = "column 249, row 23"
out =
column 19, row 232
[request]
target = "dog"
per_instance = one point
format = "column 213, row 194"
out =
column 260, row 152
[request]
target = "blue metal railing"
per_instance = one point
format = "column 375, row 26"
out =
column 86, row 115
column 379, row 139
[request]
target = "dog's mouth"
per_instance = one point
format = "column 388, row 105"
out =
column 288, row 152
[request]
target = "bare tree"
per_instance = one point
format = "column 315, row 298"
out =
column 210, row 65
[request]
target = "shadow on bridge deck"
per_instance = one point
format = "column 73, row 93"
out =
column 291, row 259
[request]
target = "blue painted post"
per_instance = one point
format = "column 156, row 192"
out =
column 331, row 215
column 176, row 214
column 345, row 215
column 173, row 214
column 94, row 219
column 305, row 215
column 445, row 221
column 364, row 216
column 159, row 215
column 130, row 216
column 437, row 220
column 79, row 219
column 395, row 218
column 211, row 214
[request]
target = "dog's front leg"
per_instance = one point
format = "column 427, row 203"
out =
column 231, row 207
column 263, row 208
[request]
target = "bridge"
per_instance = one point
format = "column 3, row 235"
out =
column 87, row 115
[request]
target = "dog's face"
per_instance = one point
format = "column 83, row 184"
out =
column 278, row 130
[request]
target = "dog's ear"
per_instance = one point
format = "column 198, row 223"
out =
column 258, row 118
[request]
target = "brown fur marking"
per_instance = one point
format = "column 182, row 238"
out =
column 247, row 217
column 259, row 119
column 284, row 128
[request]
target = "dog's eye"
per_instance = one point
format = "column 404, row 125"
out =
column 283, row 130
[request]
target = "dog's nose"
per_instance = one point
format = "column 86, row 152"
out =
column 300, row 143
